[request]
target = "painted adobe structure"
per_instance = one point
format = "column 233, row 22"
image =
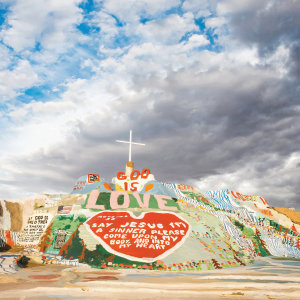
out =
column 137, row 222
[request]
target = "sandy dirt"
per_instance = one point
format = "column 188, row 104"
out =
column 266, row 279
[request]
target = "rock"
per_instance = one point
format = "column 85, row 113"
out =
column 14, row 213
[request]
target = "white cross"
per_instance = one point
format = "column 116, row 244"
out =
column 130, row 143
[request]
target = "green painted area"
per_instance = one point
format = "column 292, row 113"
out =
column 255, row 237
column 67, row 223
column 199, row 197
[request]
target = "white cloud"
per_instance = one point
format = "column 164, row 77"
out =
column 12, row 81
column 43, row 57
column 25, row 24
column 49, row 108
column 106, row 23
column 194, row 5
column 200, row 8
column 215, row 22
column 132, row 11
column 52, row 23
column 232, row 6
column 169, row 29
column 195, row 41
column 5, row 57
column 111, row 52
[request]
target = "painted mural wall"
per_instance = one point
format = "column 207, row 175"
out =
column 157, row 226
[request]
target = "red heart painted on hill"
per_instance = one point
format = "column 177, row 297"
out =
column 151, row 236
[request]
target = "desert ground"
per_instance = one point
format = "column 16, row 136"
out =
column 268, row 278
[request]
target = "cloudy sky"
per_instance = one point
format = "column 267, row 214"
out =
column 211, row 87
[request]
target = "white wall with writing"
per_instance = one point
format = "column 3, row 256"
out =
column 36, row 226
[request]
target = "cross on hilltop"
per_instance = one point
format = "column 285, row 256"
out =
column 130, row 143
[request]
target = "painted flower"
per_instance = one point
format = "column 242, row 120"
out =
column 144, row 266
column 44, row 257
column 139, row 266
column 150, row 267
column 104, row 266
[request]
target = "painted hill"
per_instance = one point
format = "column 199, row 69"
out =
column 138, row 222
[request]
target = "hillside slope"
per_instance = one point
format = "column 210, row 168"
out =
column 167, row 227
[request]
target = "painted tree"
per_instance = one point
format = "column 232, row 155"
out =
column 239, row 225
column 239, row 261
column 293, row 228
column 97, row 257
column 297, row 245
column 81, row 257
column 46, row 239
column 261, row 243
column 216, row 264
column 257, row 249
column 110, row 258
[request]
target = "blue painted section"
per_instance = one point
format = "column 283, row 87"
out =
column 158, row 189
column 88, row 187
